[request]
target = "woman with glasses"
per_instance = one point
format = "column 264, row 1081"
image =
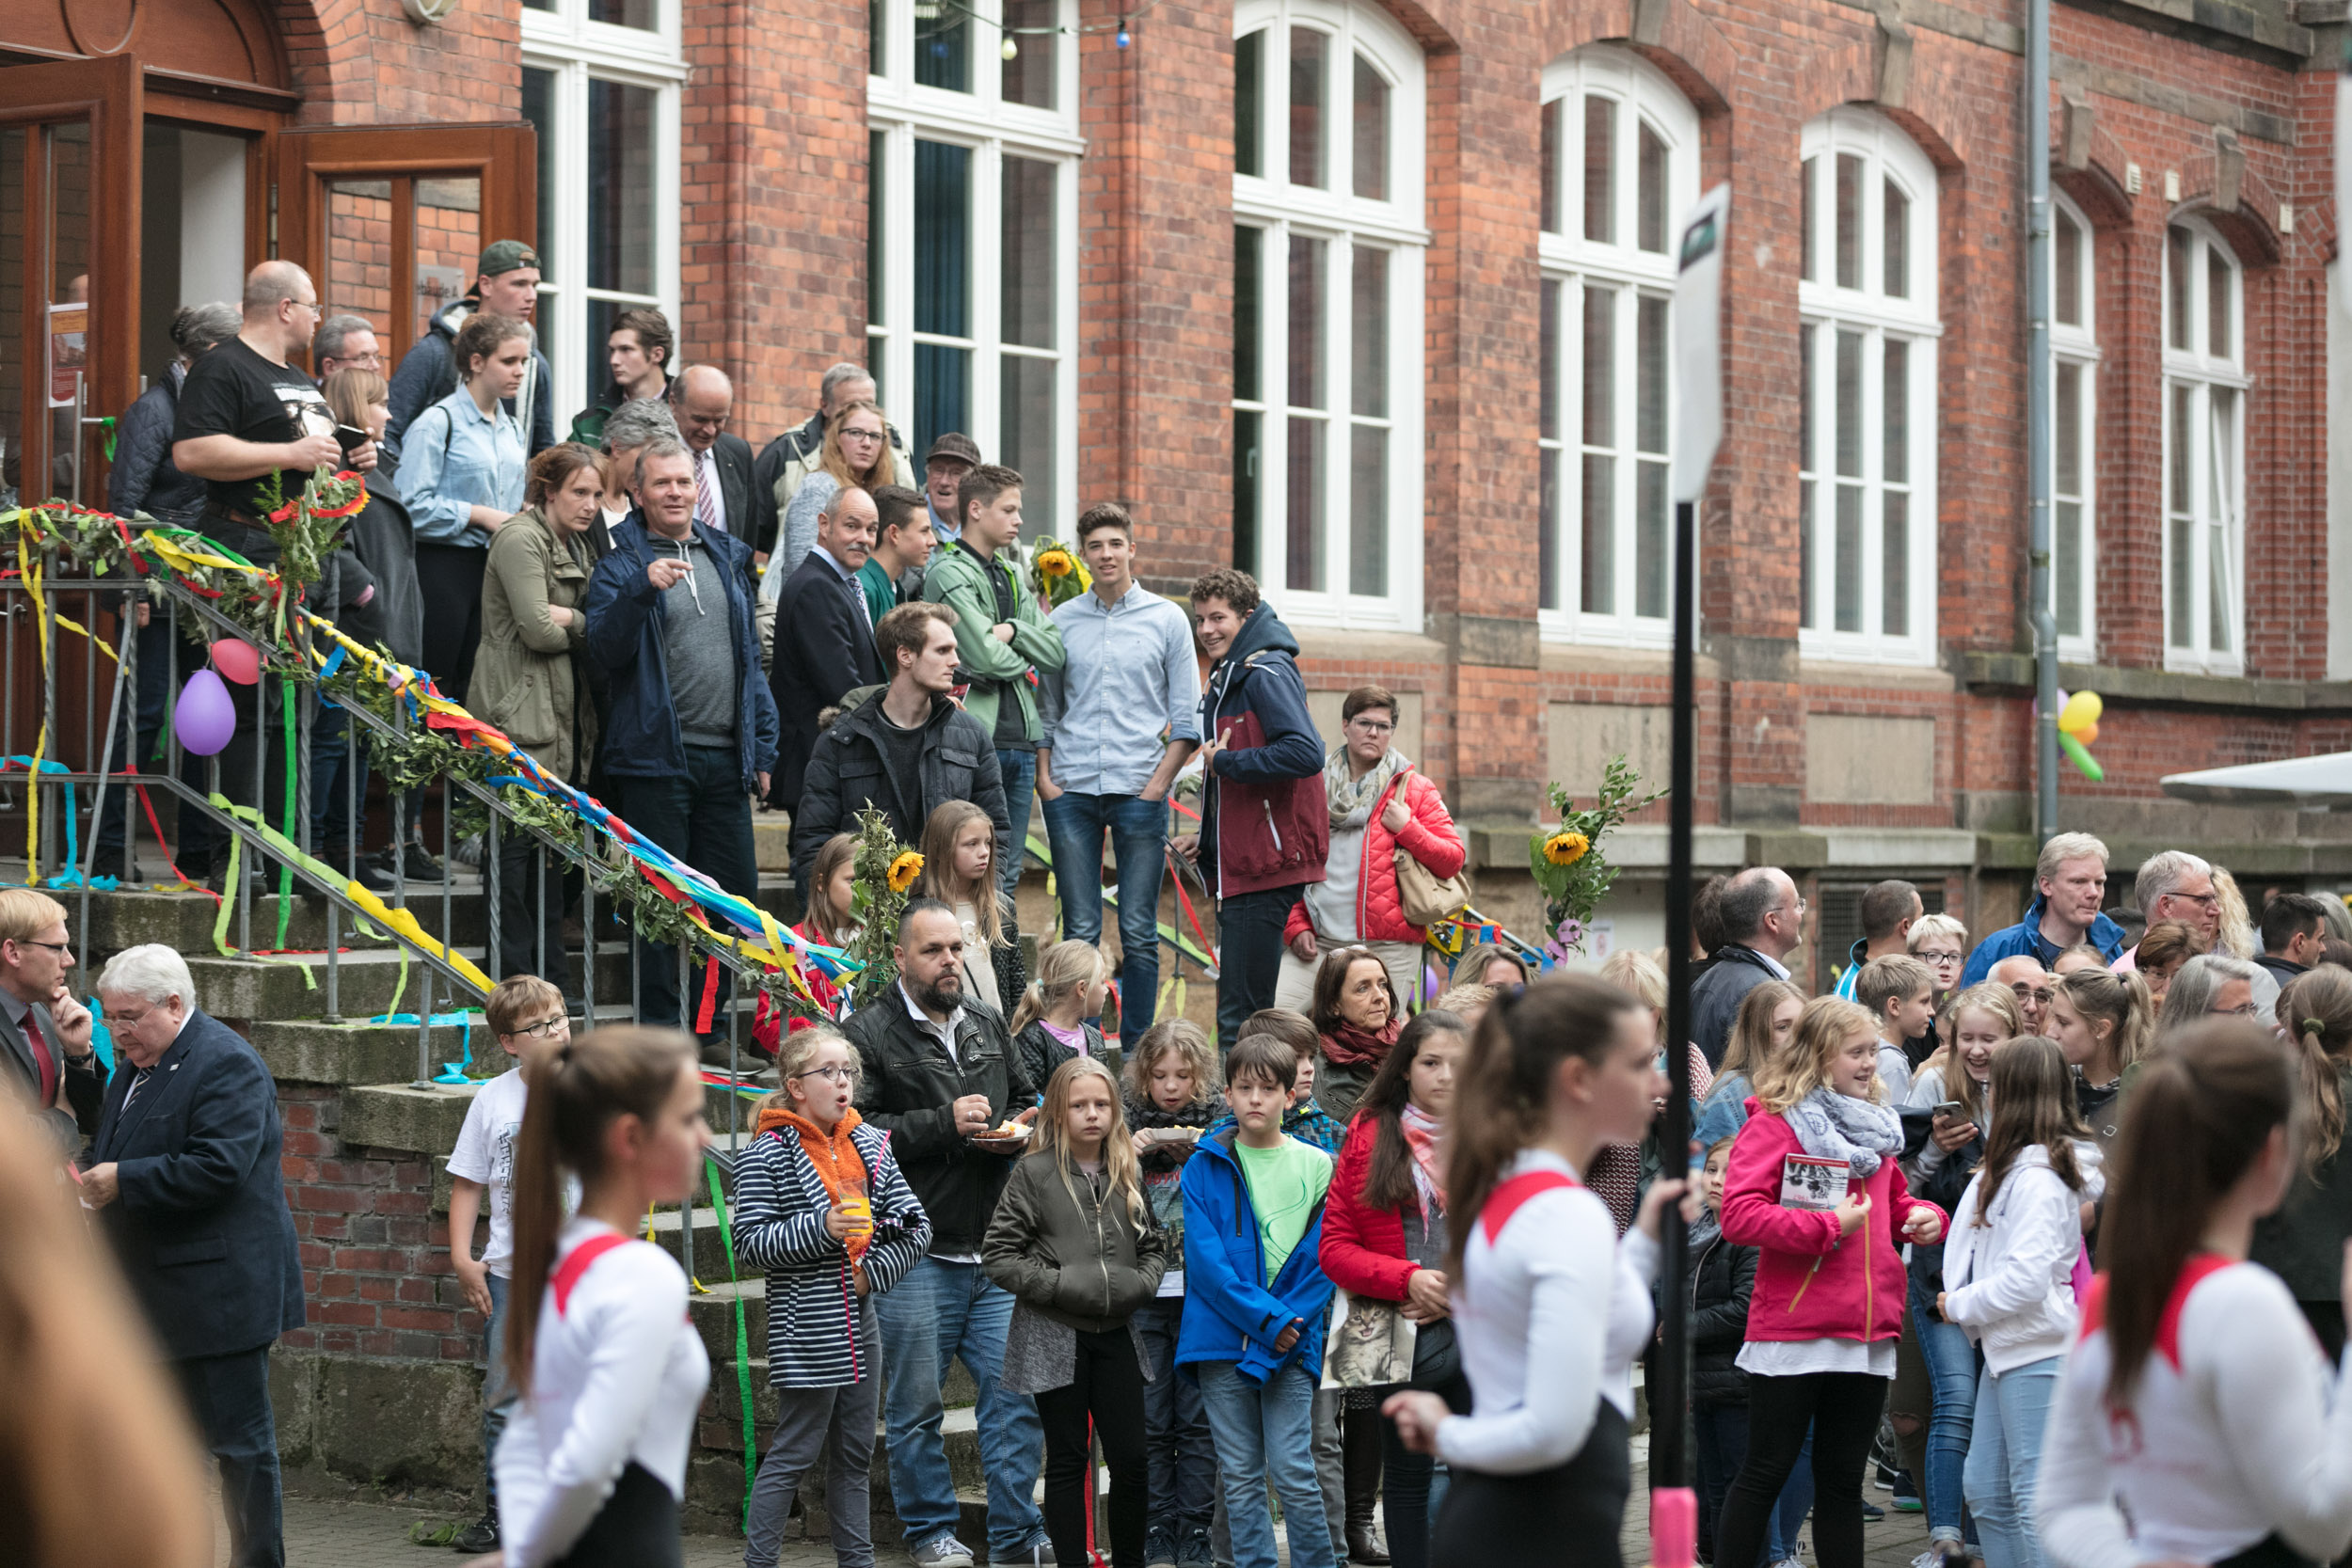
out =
column 2212, row 984
column 1380, row 807
column 821, row 1204
column 856, row 456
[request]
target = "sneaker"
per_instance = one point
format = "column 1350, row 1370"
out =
column 1036, row 1552
column 1159, row 1547
column 1193, row 1549
column 479, row 1537
column 1792, row 1561
column 942, row 1552
column 1885, row 1476
column 1905, row 1496
column 1872, row 1513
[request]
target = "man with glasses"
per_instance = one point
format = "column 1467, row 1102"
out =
column 185, row 1180
column 526, row 1013
column 345, row 343
column 702, row 398
column 45, row 1032
column 2069, row 884
column 1763, row 917
column 2032, row 985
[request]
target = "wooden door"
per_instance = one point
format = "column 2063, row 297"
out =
column 391, row 220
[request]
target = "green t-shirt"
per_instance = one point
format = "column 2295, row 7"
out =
column 882, row 594
column 1285, row 1183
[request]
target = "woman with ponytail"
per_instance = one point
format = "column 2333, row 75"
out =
column 2196, row 1420
column 2303, row 1243
column 611, row 1371
column 2105, row 1023
column 1550, row 1308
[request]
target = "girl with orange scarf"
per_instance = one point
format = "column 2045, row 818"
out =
column 820, row 1204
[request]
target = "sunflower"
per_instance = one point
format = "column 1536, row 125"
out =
column 903, row 870
column 1056, row 563
column 1566, row 848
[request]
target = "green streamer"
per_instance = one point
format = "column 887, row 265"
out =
column 742, row 1339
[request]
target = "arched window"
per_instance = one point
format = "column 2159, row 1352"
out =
column 2073, row 410
column 972, row 241
column 1866, row 294
column 2205, row 434
column 1327, row 247
column 1619, row 168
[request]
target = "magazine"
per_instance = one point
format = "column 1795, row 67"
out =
column 1809, row 1182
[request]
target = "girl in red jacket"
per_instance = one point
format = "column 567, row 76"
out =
column 1814, row 1186
column 1384, row 1239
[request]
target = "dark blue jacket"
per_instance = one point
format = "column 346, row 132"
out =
column 2025, row 936
column 1265, row 820
column 625, row 619
column 201, row 1229
column 1228, row 1314
column 144, row 478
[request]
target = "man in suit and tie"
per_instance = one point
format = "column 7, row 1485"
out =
column 824, row 636
column 702, row 398
column 184, row 1177
column 45, row 1032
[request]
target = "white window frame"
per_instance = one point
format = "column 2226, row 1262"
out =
column 1336, row 216
column 2075, row 346
column 902, row 112
column 2215, row 513
column 1571, row 264
column 1825, row 310
column 565, row 43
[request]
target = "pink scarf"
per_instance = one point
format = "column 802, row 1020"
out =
column 1421, row 1136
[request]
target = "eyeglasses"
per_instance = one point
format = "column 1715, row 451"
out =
column 1372, row 726
column 53, row 946
column 128, row 1021
column 547, row 1028
column 868, row 436
column 1926, row 957
column 2205, row 900
column 2244, row 1009
column 832, row 1072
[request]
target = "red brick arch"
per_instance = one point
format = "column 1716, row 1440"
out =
column 357, row 64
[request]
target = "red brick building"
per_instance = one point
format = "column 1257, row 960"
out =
column 1368, row 297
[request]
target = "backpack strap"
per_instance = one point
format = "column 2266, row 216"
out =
column 1505, row 1201
column 567, row 1273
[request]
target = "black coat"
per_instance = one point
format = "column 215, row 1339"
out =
column 80, row 1093
column 384, row 541
column 848, row 769
column 1716, row 995
column 1723, row 1279
column 737, row 497
column 144, row 478
column 824, row 650
column 201, row 1229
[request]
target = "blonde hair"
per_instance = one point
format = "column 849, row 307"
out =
column 939, row 880
column 1062, row 969
column 1632, row 970
column 1822, row 1030
column 515, row 999
column 1985, row 996
column 1178, row 1037
column 2122, row 1000
column 1750, row 1044
column 1934, row 926
column 2236, row 936
column 1123, row 1176
column 1464, row 1000
column 25, row 915
column 794, row 1053
column 87, row 1392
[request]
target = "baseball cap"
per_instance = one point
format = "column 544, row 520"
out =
column 507, row 256
column 955, row 445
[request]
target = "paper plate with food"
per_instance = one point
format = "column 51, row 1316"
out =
column 1005, row 1135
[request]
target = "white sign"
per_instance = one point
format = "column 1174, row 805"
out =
column 1699, row 343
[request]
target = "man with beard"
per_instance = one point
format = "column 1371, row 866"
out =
column 936, row 1075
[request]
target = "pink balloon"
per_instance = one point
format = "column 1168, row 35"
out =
column 238, row 660
column 205, row 717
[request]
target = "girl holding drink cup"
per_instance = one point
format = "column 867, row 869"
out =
column 821, row 1206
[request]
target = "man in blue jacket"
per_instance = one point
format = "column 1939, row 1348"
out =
column 185, row 1178
column 692, row 736
column 2069, row 884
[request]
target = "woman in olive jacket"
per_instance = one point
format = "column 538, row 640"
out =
column 526, row 679
column 1075, row 1243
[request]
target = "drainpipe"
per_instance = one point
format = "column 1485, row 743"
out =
column 2038, row 397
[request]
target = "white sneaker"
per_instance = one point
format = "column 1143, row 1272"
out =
column 1790, row 1561
column 942, row 1551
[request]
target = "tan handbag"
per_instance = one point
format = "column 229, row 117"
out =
column 1425, row 896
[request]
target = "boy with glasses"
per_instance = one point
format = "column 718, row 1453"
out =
column 524, row 1012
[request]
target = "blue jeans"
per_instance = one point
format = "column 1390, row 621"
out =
column 2005, row 1459
column 1074, row 826
column 1267, row 1431
column 1721, row 1448
column 1020, row 771
column 497, row 1398
column 1181, row 1453
column 1952, row 1372
column 941, row 1312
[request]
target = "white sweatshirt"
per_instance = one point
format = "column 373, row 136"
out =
column 2237, row 1429
column 2011, row 1285
column 1557, row 1291
column 617, row 1375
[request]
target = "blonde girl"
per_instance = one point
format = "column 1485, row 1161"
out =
column 1053, row 1023
column 1813, row 1184
column 2303, row 1243
column 1972, row 1023
column 959, row 855
column 1074, row 1241
column 1759, row 1033
column 2103, row 1021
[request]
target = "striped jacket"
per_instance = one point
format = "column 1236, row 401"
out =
column 780, row 1209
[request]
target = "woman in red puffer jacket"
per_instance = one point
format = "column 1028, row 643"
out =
column 1378, row 805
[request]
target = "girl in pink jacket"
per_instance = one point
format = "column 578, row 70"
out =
column 1813, row 1184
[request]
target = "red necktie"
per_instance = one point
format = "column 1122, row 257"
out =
column 44, row 1058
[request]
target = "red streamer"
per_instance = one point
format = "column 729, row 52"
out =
column 711, row 996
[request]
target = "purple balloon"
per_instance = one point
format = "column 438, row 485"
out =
column 205, row 717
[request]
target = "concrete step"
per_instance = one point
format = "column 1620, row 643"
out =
column 366, row 981
column 425, row 1120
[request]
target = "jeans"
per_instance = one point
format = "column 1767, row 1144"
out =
column 1722, row 1447
column 1074, row 826
column 705, row 820
column 1183, row 1456
column 1248, row 956
column 1843, row 1410
column 1267, row 1430
column 228, row 1398
column 1020, row 770
column 835, row 1425
column 1952, row 1371
column 941, row 1312
column 339, row 771
column 1107, row 1389
column 1406, row 1479
column 2005, row 1459
column 497, row 1398
column 1331, row 1468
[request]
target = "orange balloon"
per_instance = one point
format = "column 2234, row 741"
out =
column 2088, row 735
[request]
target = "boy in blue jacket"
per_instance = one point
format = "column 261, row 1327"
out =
column 1256, row 1295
